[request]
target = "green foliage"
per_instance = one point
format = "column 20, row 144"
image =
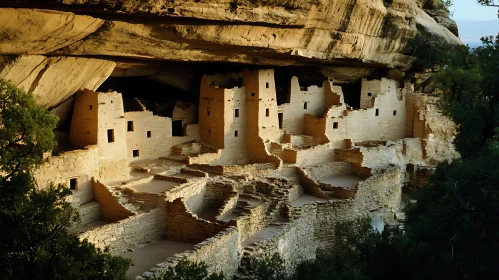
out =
column 187, row 270
column 35, row 243
column 360, row 252
column 453, row 225
column 26, row 130
column 267, row 268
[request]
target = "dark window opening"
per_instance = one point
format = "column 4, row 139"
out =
column 135, row 153
column 73, row 184
column 377, row 112
column 149, row 134
column 252, row 94
column 236, row 113
column 90, row 107
column 369, row 94
column 351, row 93
column 394, row 112
column 335, row 125
column 305, row 105
column 209, row 131
column 110, row 135
column 267, row 112
column 280, row 116
column 208, row 112
column 129, row 126
column 267, row 85
column 177, row 128
column 235, row 133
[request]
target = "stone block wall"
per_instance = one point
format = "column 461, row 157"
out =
column 380, row 192
column 111, row 209
column 89, row 212
column 128, row 233
column 219, row 252
column 183, row 225
column 81, row 165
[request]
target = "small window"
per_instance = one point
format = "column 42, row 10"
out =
column 305, row 105
column 208, row 112
column 110, row 135
column 267, row 112
column 73, row 184
column 377, row 112
column 236, row 113
column 252, row 94
column 235, row 133
column 209, row 131
column 129, row 126
column 394, row 112
column 267, row 85
column 335, row 125
column 89, row 107
column 135, row 153
column 369, row 94
column 149, row 134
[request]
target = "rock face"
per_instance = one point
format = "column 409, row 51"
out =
column 54, row 79
column 331, row 35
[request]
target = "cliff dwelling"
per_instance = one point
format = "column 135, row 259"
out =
column 217, row 131
column 251, row 167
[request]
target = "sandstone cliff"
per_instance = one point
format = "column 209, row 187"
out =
column 345, row 39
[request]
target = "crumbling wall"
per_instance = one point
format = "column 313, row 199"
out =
column 111, row 209
column 81, row 165
column 381, row 192
column 183, row 225
column 219, row 252
column 310, row 100
column 128, row 233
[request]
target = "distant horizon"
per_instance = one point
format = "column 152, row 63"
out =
column 474, row 21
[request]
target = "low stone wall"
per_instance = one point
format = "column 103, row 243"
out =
column 219, row 252
column 81, row 165
column 193, row 172
column 111, row 209
column 329, row 169
column 295, row 242
column 171, row 179
column 253, row 220
column 380, row 192
column 206, row 158
column 128, row 233
column 183, row 225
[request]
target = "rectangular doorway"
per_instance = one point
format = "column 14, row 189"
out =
column 280, row 116
column 177, row 129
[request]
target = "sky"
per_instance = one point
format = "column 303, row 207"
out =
column 470, row 10
column 474, row 21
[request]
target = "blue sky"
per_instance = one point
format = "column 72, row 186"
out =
column 470, row 10
column 474, row 21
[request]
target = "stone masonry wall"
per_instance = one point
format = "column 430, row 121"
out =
column 219, row 252
column 128, row 233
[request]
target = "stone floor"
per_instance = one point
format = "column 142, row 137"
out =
column 146, row 257
column 155, row 186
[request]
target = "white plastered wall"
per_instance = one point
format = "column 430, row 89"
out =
column 113, row 155
column 294, row 111
column 150, row 135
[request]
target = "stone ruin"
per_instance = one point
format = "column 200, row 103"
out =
column 239, row 175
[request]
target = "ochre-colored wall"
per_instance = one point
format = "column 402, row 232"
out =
column 83, row 131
